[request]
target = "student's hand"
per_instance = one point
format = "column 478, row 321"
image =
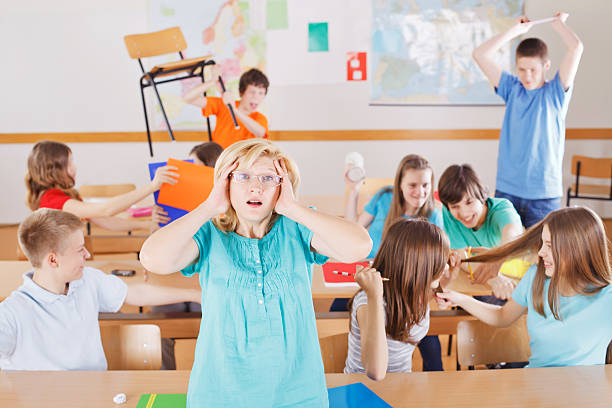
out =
column 370, row 281
column 165, row 174
column 228, row 98
column 354, row 186
column 485, row 271
column 218, row 200
column 159, row 216
column 521, row 26
column 286, row 199
column 455, row 257
column 448, row 298
column 502, row 286
column 561, row 19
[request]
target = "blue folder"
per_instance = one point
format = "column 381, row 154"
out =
column 173, row 212
column 354, row 396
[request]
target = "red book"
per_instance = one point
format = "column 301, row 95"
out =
column 341, row 274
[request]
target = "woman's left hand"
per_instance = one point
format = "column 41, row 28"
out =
column 286, row 199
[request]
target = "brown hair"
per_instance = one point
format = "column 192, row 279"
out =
column 246, row 152
column 398, row 202
column 45, row 231
column 532, row 47
column 580, row 254
column 207, row 153
column 459, row 180
column 412, row 255
column 47, row 169
column 253, row 77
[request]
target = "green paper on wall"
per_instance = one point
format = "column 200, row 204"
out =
column 162, row 401
column 276, row 15
column 317, row 37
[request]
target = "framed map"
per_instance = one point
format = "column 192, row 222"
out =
column 422, row 50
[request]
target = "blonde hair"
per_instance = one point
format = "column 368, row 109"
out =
column 45, row 231
column 47, row 169
column 579, row 250
column 246, row 152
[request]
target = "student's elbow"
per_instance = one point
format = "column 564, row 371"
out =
column 579, row 48
column 376, row 374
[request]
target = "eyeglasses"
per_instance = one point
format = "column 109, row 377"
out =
column 266, row 180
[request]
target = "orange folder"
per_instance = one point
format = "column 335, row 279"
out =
column 194, row 185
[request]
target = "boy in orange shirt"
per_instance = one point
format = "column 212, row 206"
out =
column 253, row 87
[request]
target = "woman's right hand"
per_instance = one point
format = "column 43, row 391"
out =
column 521, row 26
column 218, row 199
column 165, row 174
column 370, row 281
column 354, row 186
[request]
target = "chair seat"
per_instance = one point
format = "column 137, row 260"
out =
column 591, row 189
column 183, row 64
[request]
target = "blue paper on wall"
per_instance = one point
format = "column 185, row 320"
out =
column 353, row 396
column 173, row 213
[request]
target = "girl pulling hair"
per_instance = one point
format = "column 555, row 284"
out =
column 567, row 296
column 387, row 322
column 51, row 179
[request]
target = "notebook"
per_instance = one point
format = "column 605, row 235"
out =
column 194, row 185
column 173, row 213
column 162, row 401
column 354, row 396
column 332, row 279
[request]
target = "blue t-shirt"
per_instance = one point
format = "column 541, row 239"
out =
column 379, row 206
column 580, row 338
column 500, row 212
column 258, row 343
column 532, row 139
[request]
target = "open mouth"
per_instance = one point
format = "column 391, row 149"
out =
column 254, row 203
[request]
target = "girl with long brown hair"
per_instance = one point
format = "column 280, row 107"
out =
column 567, row 296
column 388, row 320
column 51, row 184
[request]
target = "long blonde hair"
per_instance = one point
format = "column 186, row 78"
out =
column 412, row 255
column 398, row 202
column 580, row 254
column 246, row 152
column 47, row 169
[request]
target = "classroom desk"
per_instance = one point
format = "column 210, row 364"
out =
column 541, row 387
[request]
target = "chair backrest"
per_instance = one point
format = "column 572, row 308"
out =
column 368, row 189
column 105, row 190
column 479, row 343
column 132, row 346
column 592, row 167
column 156, row 43
column 184, row 352
column 333, row 351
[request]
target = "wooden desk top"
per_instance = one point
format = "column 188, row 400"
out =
column 541, row 387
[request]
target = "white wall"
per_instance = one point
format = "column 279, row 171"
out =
column 66, row 70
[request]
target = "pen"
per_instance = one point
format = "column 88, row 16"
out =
column 352, row 274
column 469, row 255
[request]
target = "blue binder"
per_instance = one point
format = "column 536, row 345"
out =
column 173, row 212
column 354, row 396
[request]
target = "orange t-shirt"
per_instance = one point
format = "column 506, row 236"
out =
column 225, row 134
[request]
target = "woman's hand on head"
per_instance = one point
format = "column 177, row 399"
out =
column 218, row 200
column 286, row 198
column 165, row 174
column 370, row 281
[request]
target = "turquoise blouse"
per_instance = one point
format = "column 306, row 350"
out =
column 258, row 343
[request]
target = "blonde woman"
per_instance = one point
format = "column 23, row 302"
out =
column 253, row 246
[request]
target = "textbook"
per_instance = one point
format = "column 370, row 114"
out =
column 173, row 213
column 162, row 401
column 194, row 185
column 354, row 396
column 340, row 274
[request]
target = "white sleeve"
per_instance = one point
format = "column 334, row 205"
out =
column 110, row 289
column 8, row 330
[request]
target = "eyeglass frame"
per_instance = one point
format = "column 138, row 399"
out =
column 277, row 178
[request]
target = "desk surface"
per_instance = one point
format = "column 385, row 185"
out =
column 542, row 387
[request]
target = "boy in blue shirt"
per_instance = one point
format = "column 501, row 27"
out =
column 532, row 139
column 51, row 321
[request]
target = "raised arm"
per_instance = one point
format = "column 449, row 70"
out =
column 121, row 202
column 485, row 53
column 493, row 315
column 195, row 96
column 350, row 211
column 335, row 237
column 172, row 248
column 574, row 48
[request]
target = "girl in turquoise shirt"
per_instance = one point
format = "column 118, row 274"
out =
column 253, row 246
column 567, row 296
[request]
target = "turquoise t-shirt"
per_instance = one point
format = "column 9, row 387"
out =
column 500, row 213
column 580, row 338
column 532, row 138
column 379, row 206
column 258, row 343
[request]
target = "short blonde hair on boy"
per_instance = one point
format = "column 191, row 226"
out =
column 246, row 152
column 45, row 231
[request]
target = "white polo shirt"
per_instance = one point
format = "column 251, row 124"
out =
column 40, row 330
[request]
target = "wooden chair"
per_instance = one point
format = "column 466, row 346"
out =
column 334, row 350
column 184, row 352
column 599, row 168
column 132, row 347
column 157, row 43
column 368, row 189
column 479, row 343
